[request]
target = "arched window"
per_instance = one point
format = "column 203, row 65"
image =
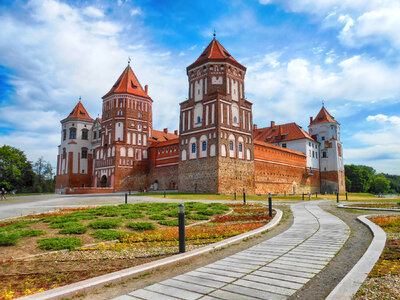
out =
column 113, row 151
column 204, row 146
column 84, row 153
column 194, row 148
column 144, row 154
column 212, row 150
column 64, row 134
column 85, row 134
column 240, row 146
column 183, row 155
column 230, row 145
column 109, row 152
column 232, row 142
column 223, row 150
column 130, row 152
column 120, row 113
column 64, row 153
column 72, row 133
column 122, row 151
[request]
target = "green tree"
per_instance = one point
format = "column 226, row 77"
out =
column 44, row 176
column 380, row 185
column 348, row 184
column 14, row 168
column 360, row 177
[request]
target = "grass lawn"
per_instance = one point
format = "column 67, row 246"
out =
column 144, row 232
column 342, row 197
column 383, row 281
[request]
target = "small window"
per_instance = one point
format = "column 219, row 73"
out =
column 204, row 146
column 309, row 144
column 84, row 153
column 216, row 68
column 313, row 154
column 323, row 138
column 324, row 154
column 140, row 115
column 85, row 134
column 231, row 145
column 198, row 73
column 284, row 145
column 64, row 134
column 64, row 153
column 119, row 124
column 235, row 120
column 119, row 139
column 240, row 147
column 120, row 100
column 95, row 135
column 72, row 133
column 120, row 113
column 193, row 148
column 198, row 120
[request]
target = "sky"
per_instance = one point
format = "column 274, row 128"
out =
column 298, row 53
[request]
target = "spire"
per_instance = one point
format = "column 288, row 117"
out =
column 79, row 112
column 323, row 117
column 127, row 83
column 215, row 52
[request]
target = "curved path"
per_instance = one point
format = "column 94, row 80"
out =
column 273, row 269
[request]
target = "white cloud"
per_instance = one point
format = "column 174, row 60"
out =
column 385, row 119
column 93, row 12
column 136, row 11
column 58, row 54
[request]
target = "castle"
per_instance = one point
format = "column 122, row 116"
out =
column 217, row 150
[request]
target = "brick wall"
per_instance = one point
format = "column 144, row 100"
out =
column 333, row 181
column 234, row 175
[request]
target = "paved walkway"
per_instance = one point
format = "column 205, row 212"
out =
column 273, row 269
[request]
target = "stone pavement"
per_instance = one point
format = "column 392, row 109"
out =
column 273, row 269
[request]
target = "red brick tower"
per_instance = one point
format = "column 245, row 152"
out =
column 216, row 141
column 125, row 130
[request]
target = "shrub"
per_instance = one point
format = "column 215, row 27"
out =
column 105, row 223
column 218, row 206
column 13, row 226
column 8, row 238
column 133, row 215
column 158, row 217
column 108, row 234
column 59, row 243
column 211, row 212
column 197, row 217
column 30, row 232
column 60, row 219
column 173, row 212
column 73, row 228
column 174, row 222
column 141, row 226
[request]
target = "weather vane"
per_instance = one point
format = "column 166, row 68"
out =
column 323, row 103
column 80, row 98
column 215, row 34
column 129, row 60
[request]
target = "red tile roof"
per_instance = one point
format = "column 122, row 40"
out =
column 215, row 52
column 323, row 117
column 79, row 112
column 161, row 136
column 127, row 83
column 281, row 133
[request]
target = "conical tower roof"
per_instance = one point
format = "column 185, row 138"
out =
column 215, row 52
column 323, row 117
column 127, row 83
column 79, row 112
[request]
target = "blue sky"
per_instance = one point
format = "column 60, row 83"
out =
column 297, row 53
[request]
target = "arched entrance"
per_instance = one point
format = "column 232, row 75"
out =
column 103, row 181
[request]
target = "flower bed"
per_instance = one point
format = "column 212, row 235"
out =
column 384, row 280
column 136, row 243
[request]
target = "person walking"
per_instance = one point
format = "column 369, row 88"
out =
column 3, row 194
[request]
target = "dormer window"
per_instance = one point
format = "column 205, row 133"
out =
column 133, row 85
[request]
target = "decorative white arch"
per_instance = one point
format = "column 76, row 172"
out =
column 122, row 151
column 203, row 146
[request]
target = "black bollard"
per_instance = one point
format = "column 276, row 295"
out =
column 126, row 198
column 244, row 196
column 235, row 195
column 270, row 205
column 346, row 197
column 337, row 197
column 181, row 228
column 303, row 196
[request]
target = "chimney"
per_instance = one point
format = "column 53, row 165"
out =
column 254, row 126
column 176, row 132
column 146, row 89
column 272, row 123
column 280, row 131
column 311, row 119
column 165, row 130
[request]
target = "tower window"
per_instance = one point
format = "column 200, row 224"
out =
column 198, row 120
column 323, row 138
column 324, row 154
column 140, row 115
column 84, row 153
column 72, row 133
column 240, row 147
column 94, row 135
column 193, row 148
column 85, row 134
column 64, row 134
column 120, row 113
column 284, row 145
column 120, row 100
column 204, row 146
column 64, row 153
column 231, row 145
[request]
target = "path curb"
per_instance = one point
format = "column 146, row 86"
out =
column 118, row 276
column 350, row 284
column 368, row 208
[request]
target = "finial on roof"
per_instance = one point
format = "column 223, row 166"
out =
column 215, row 34
column 129, row 60
column 80, row 98
column 323, row 103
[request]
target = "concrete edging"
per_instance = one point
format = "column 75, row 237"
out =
column 350, row 284
column 118, row 276
column 368, row 208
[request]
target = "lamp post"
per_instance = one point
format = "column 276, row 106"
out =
column 270, row 204
column 181, row 228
